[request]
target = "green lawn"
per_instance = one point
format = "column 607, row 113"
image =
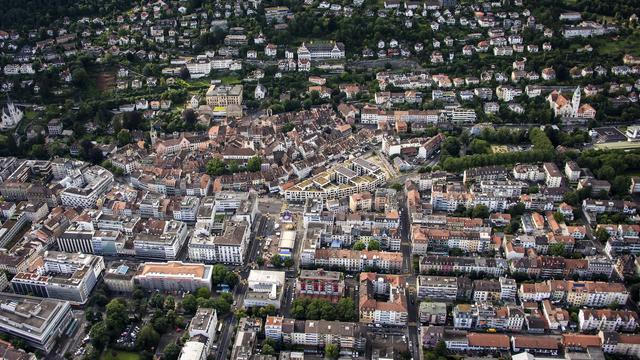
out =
column 120, row 355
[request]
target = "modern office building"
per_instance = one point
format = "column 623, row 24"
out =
column 39, row 322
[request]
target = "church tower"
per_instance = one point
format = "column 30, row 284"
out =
column 153, row 134
column 575, row 102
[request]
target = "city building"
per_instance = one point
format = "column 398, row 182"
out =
column 265, row 288
column 373, row 309
column 60, row 275
column 39, row 322
column 174, row 276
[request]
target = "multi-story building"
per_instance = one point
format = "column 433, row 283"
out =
column 160, row 239
column 375, row 286
column 61, row 276
column 204, row 324
column 608, row 320
column 119, row 276
column 265, row 288
column 432, row 313
column 315, row 334
column 85, row 188
column 483, row 316
column 437, row 288
column 354, row 260
column 460, row 264
column 320, row 283
column 223, row 95
column 229, row 247
column 39, row 322
column 553, row 176
column 246, row 338
column 174, row 276
column 576, row 293
column 321, row 51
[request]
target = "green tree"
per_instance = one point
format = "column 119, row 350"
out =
column 331, row 351
column 203, row 293
column 276, row 260
column 602, row 235
column 215, row 167
column 288, row 262
column 169, row 303
column 117, row 316
column 190, row 304
column 558, row 217
column 157, row 301
column 254, row 164
column 358, row 245
column 148, row 338
column 268, row 310
column 287, row 127
column 171, row 352
column 99, row 335
column 374, row 245
column 557, row 249
column 345, row 309
column 124, row 137
column 267, row 349
column 480, row 211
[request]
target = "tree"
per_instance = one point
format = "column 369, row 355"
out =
column 557, row 249
column 215, row 167
column 171, row 352
column 602, row 235
column 558, row 217
column 124, row 137
column 189, row 118
column 169, row 303
column 288, row 262
column 276, row 260
column 456, row 252
column 117, row 316
column 374, row 245
column 480, row 211
column 331, row 351
column 203, row 293
column 80, row 77
column 161, row 324
column 345, row 310
column 268, row 310
column 254, row 164
column 147, row 338
column 99, row 335
column 358, row 245
column 157, row 301
column 287, row 127
column 190, row 304
column 267, row 349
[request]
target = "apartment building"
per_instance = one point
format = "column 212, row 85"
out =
column 443, row 288
column 608, row 320
column 484, row 316
column 320, row 283
column 160, row 239
column 229, row 247
column 39, row 322
column 576, row 293
column 553, row 176
column 174, row 276
column 204, row 325
column 119, row 276
column 461, row 264
column 432, row 313
column 314, row 334
column 60, row 275
column 85, row 188
column 353, row 260
column 374, row 287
